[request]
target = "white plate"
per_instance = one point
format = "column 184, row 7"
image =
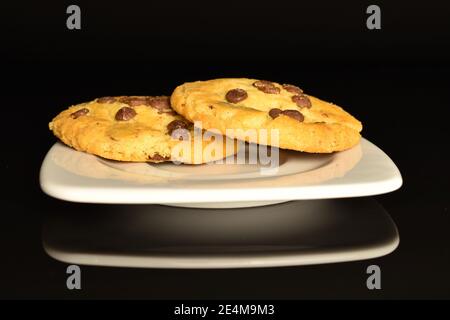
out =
column 152, row 236
column 364, row 170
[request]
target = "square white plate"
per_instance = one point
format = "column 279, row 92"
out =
column 364, row 170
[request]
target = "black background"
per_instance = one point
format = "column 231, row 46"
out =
column 395, row 80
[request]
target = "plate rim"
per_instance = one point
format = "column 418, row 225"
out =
column 137, row 194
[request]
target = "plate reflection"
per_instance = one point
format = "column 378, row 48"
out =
column 292, row 233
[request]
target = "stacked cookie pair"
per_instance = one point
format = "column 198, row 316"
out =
column 142, row 128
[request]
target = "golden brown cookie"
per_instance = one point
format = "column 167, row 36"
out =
column 304, row 123
column 136, row 128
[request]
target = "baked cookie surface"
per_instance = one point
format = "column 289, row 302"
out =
column 136, row 128
column 304, row 123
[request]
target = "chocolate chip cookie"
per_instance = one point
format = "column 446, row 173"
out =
column 136, row 128
column 303, row 122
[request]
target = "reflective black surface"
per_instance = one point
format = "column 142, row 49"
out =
column 293, row 229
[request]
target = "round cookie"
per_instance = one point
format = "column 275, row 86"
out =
column 304, row 123
column 137, row 128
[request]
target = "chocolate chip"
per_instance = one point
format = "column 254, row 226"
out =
column 302, row 101
column 236, row 95
column 262, row 83
column 294, row 114
column 274, row 113
column 292, row 89
column 134, row 101
column 79, row 113
column 106, row 100
column 125, row 114
column 158, row 157
column 176, row 124
column 161, row 103
column 266, row 86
